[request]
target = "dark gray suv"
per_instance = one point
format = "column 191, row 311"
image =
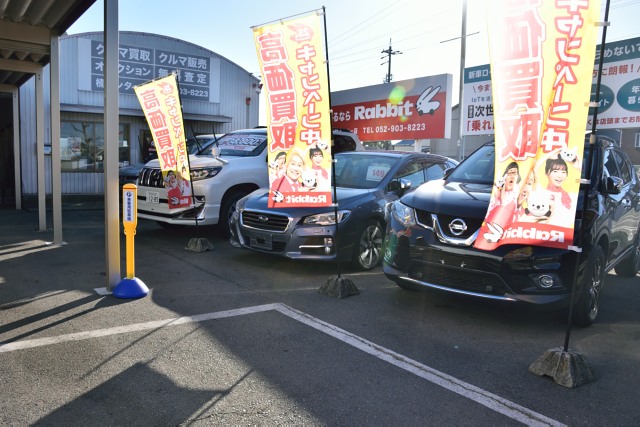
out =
column 421, row 250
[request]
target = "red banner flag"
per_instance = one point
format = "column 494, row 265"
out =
column 542, row 54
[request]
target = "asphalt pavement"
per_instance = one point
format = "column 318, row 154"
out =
column 228, row 337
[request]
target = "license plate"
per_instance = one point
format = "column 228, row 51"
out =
column 262, row 241
column 153, row 197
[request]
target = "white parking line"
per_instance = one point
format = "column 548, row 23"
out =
column 485, row 398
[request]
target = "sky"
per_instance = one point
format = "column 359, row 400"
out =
column 425, row 33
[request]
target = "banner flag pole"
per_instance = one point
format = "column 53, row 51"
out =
column 338, row 286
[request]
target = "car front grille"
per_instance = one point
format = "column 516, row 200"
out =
column 264, row 221
column 424, row 218
column 473, row 224
column 455, row 278
column 151, row 177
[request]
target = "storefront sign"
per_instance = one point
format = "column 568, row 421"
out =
column 620, row 86
column 409, row 109
column 477, row 104
column 137, row 65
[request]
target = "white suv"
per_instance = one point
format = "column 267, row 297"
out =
column 219, row 181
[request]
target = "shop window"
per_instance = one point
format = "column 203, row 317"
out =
column 82, row 146
column 147, row 146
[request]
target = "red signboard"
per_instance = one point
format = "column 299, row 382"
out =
column 409, row 109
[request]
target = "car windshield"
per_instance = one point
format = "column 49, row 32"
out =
column 478, row 167
column 240, row 144
column 199, row 145
column 362, row 171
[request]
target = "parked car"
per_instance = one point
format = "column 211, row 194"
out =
column 432, row 230
column 238, row 167
column 198, row 144
column 366, row 182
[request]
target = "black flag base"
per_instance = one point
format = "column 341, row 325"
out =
column 199, row 244
column 339, row 287
column 567, row 368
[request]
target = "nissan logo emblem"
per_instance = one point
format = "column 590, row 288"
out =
column 457, row 227
column 263, row 218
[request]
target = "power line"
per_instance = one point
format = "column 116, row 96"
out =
column 341, row 37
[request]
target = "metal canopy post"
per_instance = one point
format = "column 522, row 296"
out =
column 42, row 202
column 111, row 184
column 16, row 149
column 56, row 165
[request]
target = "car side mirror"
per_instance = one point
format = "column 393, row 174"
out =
column 400, row 185
column 613, row 185
column 405, row 184
column 394, row 185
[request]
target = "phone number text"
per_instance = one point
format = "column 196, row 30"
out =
column 409, row 127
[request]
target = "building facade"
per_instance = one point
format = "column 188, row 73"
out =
column 217, row 96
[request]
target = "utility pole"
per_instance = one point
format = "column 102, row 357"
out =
column 389, row 52
column 463, row 49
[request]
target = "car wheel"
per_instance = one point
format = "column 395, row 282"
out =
column 368, row 251
column 585, row 309
column 629, row 266
column 226, row 212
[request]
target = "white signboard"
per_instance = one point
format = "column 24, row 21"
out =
column 619, row 87
column 619, row 91
column 477, row 113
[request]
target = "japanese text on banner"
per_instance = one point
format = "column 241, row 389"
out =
column 161, row 105
column 291, row 57
column 542, row 53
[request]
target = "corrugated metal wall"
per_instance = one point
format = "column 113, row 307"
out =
column 233, row 84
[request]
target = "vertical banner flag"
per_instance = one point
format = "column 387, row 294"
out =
column 291, row 57
column 542, row 54
column 161, row 105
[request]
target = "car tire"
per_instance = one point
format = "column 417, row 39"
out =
column 630, row 265
column 585, row 309
column 227, row 209
column 368, row 251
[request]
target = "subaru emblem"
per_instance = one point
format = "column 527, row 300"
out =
column 263, row 218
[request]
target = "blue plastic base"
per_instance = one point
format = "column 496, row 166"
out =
column 130, row 288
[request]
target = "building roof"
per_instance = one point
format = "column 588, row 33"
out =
column 26, row 29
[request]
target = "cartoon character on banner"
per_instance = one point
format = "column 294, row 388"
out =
column 276, row 166
column 503, row 205
column 555, row 165
column 316, row 156
column 290, row 180
column 178, row 190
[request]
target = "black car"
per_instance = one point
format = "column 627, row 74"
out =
column 432, row 230
column 366, row 182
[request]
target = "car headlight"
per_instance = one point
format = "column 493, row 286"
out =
column 327, row 218
column 203, row 173
column 241, row 203
column 403, row 214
